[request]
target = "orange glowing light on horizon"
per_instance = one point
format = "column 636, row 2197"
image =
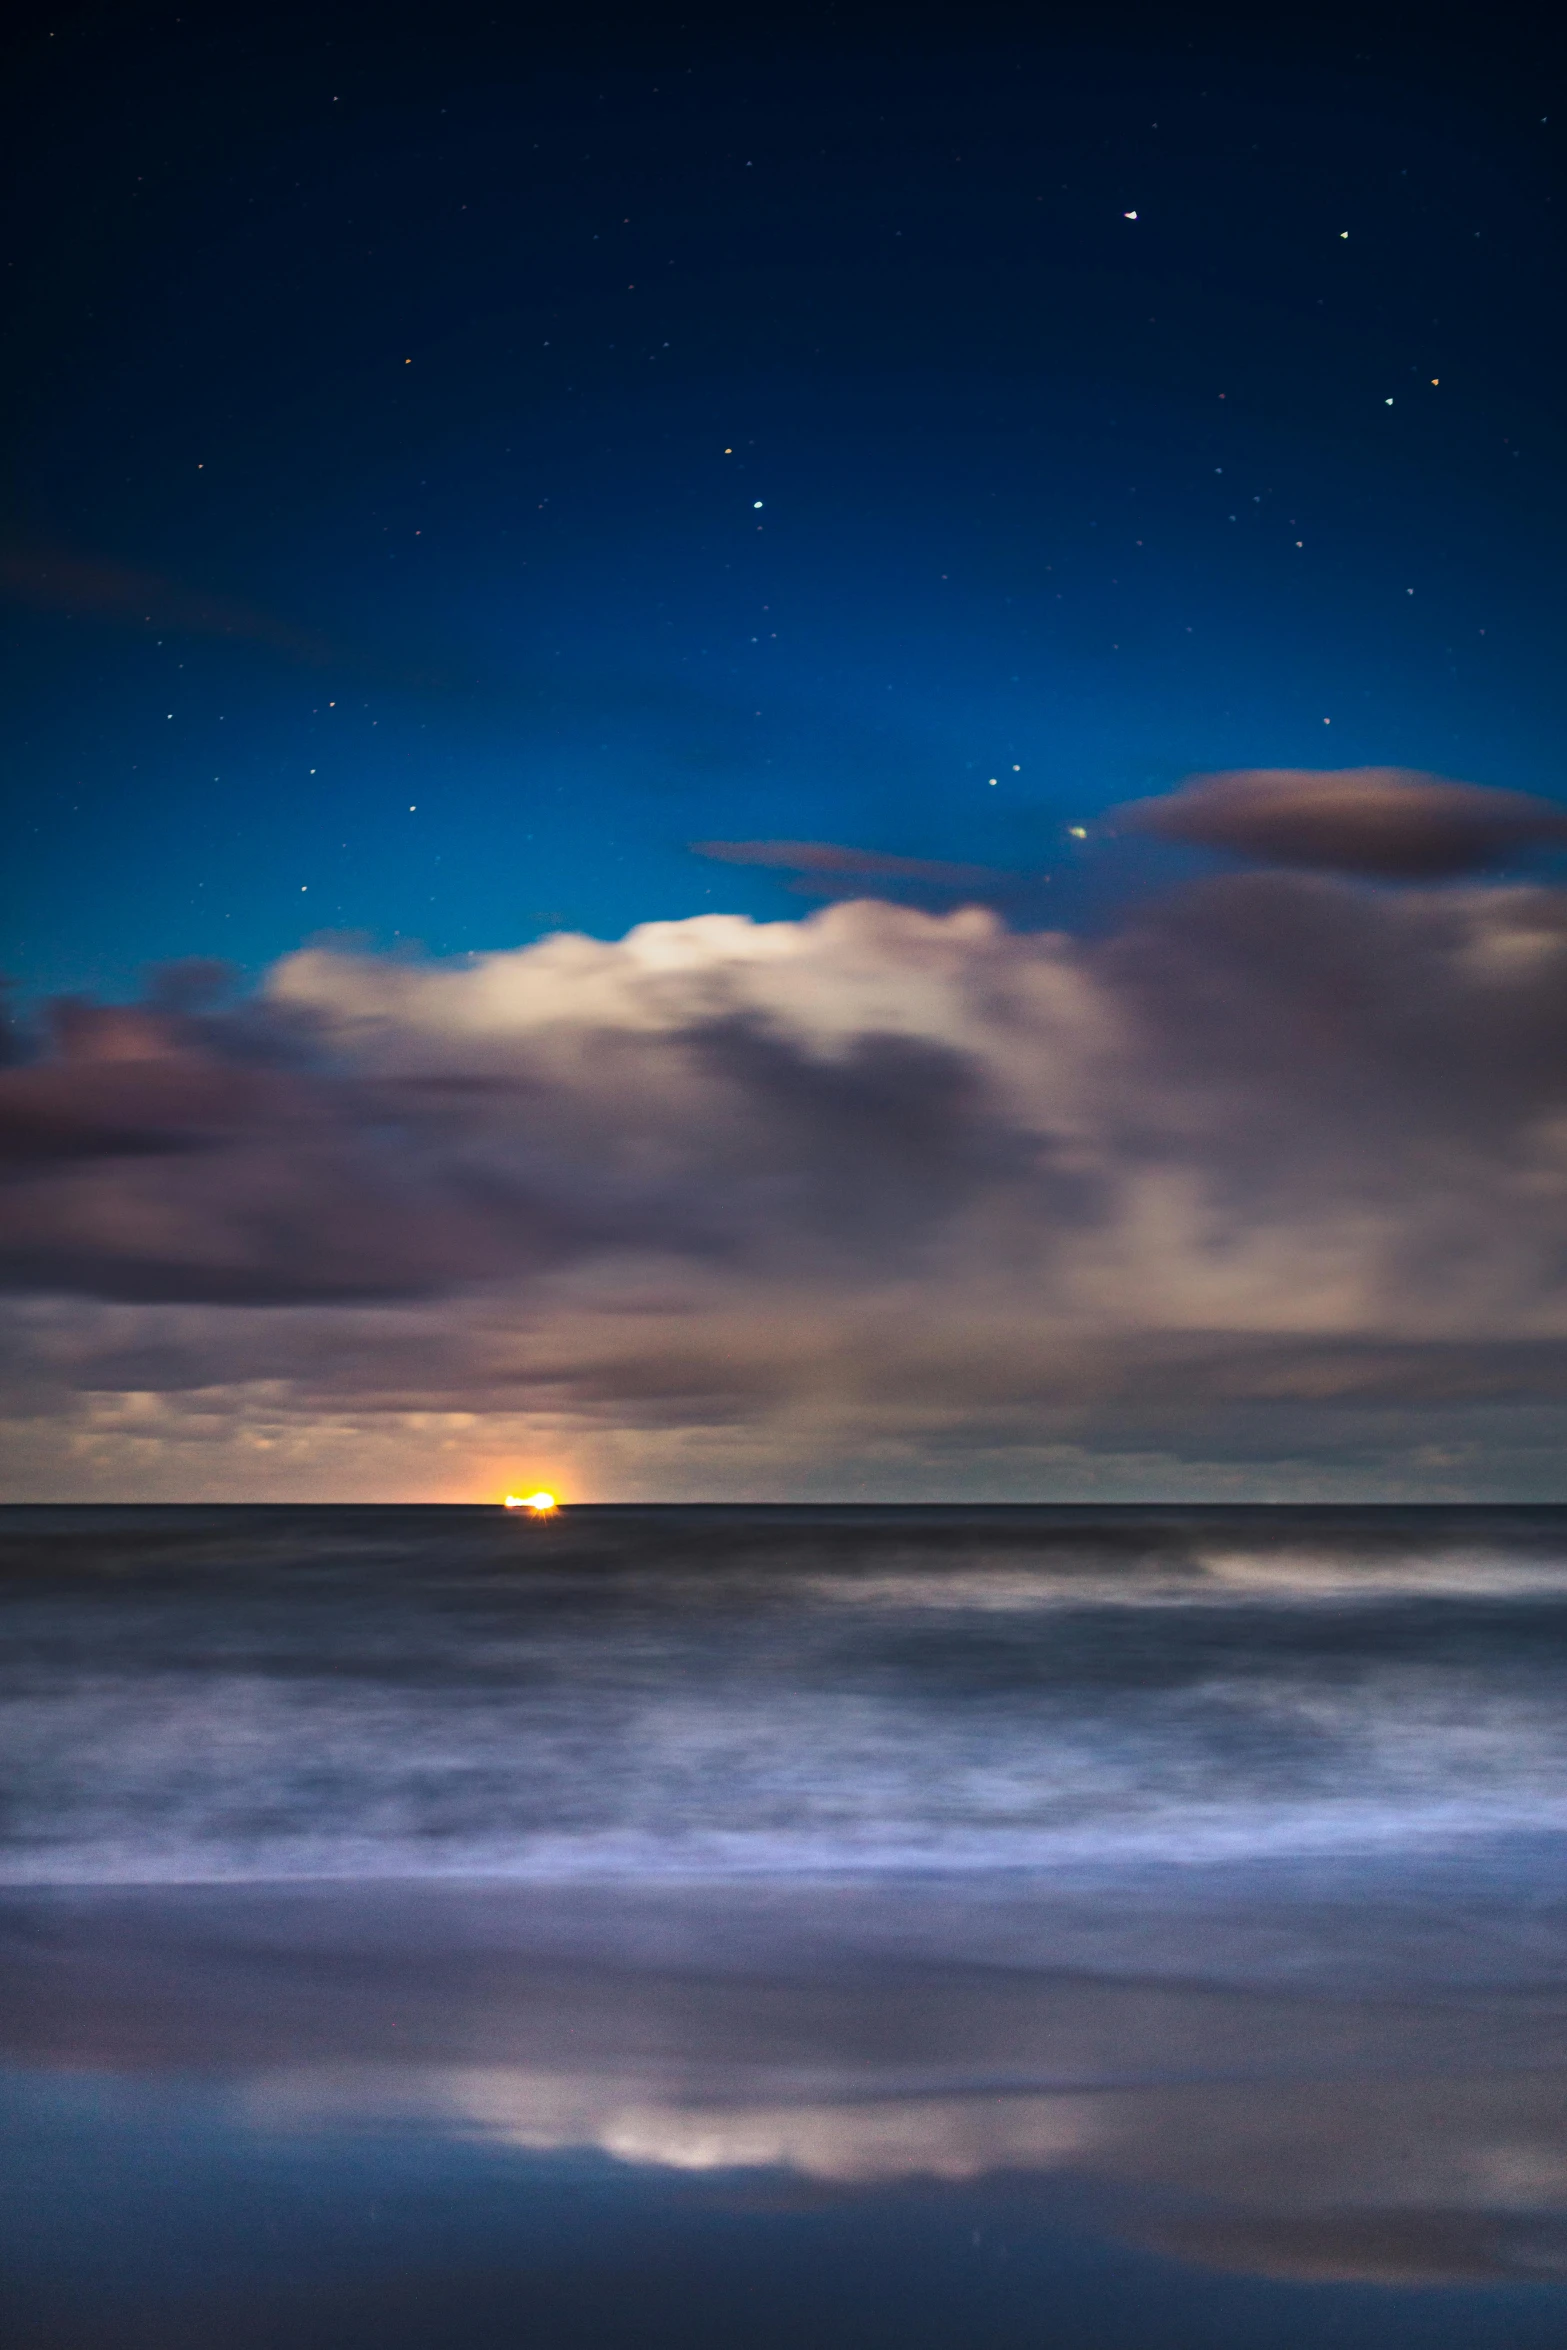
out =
column 542, row 1504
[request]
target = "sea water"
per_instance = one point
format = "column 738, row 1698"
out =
column 1071, row 1927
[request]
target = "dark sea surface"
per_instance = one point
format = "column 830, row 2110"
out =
column 1091, row 1929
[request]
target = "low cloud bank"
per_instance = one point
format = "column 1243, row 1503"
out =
column 881, row 1177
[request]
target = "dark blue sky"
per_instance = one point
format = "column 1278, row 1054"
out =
column 455, row 466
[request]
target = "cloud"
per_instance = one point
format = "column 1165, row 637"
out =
column 823, row 868
column 50, row 579
column 1389, row 823
column 155, row 1155
column 1275, row 1174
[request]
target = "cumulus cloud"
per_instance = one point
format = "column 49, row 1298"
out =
column 916, row 1188
column 1390, row 823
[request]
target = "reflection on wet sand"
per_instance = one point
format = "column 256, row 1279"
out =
column 1402, row 2181
column 1321, row 2135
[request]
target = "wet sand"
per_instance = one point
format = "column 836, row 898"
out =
column 706, row 2054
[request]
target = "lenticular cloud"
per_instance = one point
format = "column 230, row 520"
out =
column 1390, row 822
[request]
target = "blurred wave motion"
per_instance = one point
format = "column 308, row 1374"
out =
column 667, row 1693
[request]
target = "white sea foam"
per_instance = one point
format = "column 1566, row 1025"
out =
column 1206, row 1577
column 166, row 1779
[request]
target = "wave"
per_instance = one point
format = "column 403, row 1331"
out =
column 412, row 1702
column 229, row 1776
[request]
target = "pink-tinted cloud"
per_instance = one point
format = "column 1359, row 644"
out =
column 54, row 580
column 824, row 868
column 1390, row 823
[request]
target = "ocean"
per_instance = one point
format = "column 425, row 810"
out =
column 1102, row 1928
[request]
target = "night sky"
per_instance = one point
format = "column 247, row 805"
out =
column 473, row 480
